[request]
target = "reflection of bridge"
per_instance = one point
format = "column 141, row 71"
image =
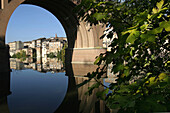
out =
column 83, row 45
column 75, row 100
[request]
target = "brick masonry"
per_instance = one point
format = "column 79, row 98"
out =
column 86, row 56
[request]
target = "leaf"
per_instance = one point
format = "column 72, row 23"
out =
column 128, row 31
column 148, row 37
column 160, row 15
column 131, row 51
column 97, row 60
column 132, row 37
column 118, row 67
column 143, row 27
column 102, row 94
column 127, row 72
column 142, row 16
column 162, row 76
column 90, row 89
column 154, row 10
column 162, row 24
column 155, row 31
column 83, row 83
column 160, row 4
column 165, row 25
column 99, row 16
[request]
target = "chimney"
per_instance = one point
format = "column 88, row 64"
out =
column 56, row 36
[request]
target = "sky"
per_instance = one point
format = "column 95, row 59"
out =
column 29, row 22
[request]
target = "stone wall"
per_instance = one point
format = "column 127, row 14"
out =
column 86, row 55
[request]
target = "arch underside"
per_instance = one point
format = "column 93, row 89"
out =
column 78, row 33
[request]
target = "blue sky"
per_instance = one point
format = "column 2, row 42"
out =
column 29, row 22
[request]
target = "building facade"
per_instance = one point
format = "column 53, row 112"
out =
column 41, row 47
column 14, row 46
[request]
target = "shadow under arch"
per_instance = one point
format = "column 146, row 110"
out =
column 62, row 9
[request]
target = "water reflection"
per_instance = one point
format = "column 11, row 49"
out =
column 42, row 65
column 34, row 92
column 42, row 86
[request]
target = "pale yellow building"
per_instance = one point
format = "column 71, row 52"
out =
column 55, row 46
column 15, row 46
column 28, row 44
column 34, row 44
column 39, row 46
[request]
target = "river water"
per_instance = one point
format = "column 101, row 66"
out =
column 44, row 87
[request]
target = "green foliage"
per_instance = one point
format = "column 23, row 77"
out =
column 61, row 54
column 51, row 55
column 140, row 55
column 19, row 55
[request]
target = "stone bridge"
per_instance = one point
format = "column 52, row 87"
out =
column 83, row 45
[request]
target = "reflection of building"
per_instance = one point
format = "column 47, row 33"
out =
column 42, row 65
column 14, row 64
column 34, row 66
column 28, row 60
column 55, row 64
column 52, row 64
column 39, row 67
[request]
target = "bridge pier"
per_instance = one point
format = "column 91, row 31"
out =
column 4, row 60
column 83, row 55
column 86, row 55
column 81, row 60
column 4, row 71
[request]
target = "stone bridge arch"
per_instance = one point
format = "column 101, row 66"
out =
column 83, row 45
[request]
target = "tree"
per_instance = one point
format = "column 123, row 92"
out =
column 21, row 54
column 51, row 55
column 140, row 55
column 61, row 54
